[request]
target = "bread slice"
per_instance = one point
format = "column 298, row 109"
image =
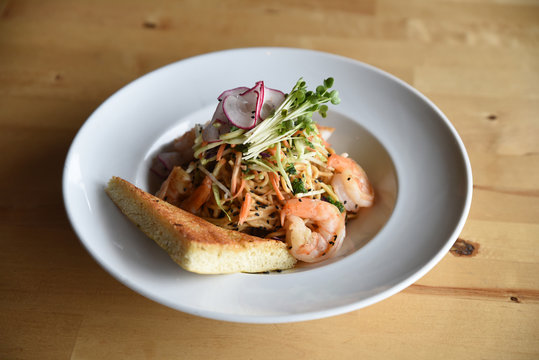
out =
column 195, row 244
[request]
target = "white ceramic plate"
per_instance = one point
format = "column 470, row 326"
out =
column 411, row 152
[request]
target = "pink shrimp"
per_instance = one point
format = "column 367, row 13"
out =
column 176, row 187
column 326, row 233
column 198, row 197
column 184, row 147
column 350, row 183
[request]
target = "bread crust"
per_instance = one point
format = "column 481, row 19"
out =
column 193, row 243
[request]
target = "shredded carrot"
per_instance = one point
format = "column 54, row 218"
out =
column 245, row 207
column 204, row 143
column 235, row 172
column 242, row 186
column 198, row 197
column 220, row 152
column 310, row 138
column 233, row 146
column 272, row 150
column 275, row 182
column 324, row 142
column 286, row 144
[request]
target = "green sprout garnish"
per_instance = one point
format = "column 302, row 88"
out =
column 294, row 114
column 291, row 121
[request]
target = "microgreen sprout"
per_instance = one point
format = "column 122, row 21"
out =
column 294, row 114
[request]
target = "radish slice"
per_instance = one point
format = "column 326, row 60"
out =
column 242, row 107
column 272, row 100
column 211, row 132
column 234, row 91
column 243, row 110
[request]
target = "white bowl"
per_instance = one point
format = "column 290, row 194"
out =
column 411, row 152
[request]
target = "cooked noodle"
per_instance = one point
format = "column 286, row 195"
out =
column 232, row 179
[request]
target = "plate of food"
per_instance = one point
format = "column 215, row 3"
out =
column 267, row 185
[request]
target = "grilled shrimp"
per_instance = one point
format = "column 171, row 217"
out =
column 350, row 183
column 325, row 235
column 184, row 146
column 198, row 197
column 176, row 187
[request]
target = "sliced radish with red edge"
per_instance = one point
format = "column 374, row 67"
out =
column 234, row 91
column 243, row 110
column 272, row 100
column 211, row 131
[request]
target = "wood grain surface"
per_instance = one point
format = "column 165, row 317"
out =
column 477, row 60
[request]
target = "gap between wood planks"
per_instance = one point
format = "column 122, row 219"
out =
column 513, row 295
column 468, row 248
column 508, row 191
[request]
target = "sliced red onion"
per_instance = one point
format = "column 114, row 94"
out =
column 272, row 100
column 159, row 169
column 169, row 159
column 164, row 163
column 243, row 110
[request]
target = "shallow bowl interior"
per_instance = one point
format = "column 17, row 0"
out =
column 411, row 152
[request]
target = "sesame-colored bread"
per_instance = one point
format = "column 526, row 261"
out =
column 193, row 243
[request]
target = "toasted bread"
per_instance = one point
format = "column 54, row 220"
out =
column 193, row 243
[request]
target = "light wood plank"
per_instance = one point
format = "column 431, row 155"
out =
column 478, row 60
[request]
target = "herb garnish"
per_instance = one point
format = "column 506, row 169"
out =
column 291, row 169
column 337, row 203
column 298, row 187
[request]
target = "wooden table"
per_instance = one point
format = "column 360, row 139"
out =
column 477, row 60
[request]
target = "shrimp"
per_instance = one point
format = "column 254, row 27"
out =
column 325, row 131
column 350, row 183
column 184, row 147
column 198, row 197
column 323, row 239
column 176, row 187
column 178, row 154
